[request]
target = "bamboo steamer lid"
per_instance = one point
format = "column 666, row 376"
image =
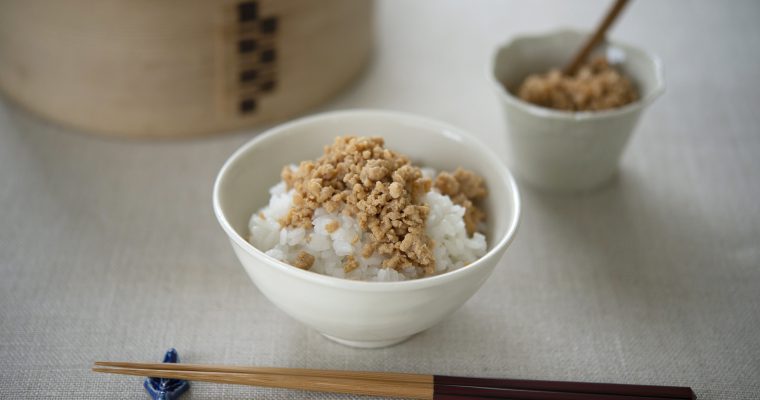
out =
column 178, row 68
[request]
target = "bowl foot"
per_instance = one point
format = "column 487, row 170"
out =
column 367, row 344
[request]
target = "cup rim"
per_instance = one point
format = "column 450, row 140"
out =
column 550, row 113
column 413, row 284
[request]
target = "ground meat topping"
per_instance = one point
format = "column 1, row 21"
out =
column 596, row 86
column 304, row 260
column 378, row 186
column 332, row 226
column 464, row 188
column 350, row 264
column 382, row 190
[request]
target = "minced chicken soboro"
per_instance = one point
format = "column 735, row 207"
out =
column 596, row 86
column 364, row 212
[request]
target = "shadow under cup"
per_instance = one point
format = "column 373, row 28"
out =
column 565, row 151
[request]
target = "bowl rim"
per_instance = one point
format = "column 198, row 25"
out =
column 413, row 284
column 550, row 113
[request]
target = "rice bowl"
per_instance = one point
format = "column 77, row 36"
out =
column 347, row 310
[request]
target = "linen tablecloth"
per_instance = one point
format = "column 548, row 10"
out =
column 109, row 249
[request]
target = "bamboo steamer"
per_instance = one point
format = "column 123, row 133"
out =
column 176, row 68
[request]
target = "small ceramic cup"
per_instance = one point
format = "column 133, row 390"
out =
column 565, row 151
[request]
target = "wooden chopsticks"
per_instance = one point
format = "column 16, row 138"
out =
column 392, row 384
column 595, row 38
column 402, row 385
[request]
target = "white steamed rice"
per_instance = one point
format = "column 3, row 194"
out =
column 445, row 225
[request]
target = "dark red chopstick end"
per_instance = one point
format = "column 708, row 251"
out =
column 455, row 387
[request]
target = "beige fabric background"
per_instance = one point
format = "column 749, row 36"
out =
column 109, row 249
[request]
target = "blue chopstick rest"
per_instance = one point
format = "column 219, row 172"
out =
column 166, row 389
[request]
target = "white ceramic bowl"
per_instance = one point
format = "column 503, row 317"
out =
column 362, row 314
column 560, row 150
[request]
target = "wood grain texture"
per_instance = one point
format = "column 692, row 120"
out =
column 171, row 68
column 350, row 382
column 596, row 37
column 368, row 375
